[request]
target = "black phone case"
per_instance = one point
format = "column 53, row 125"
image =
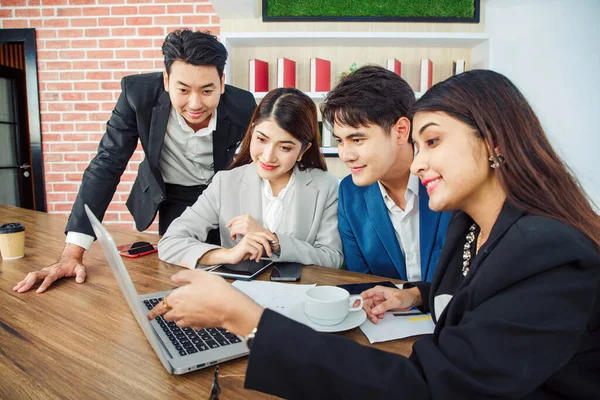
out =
column 140, row 247
column 287, row 272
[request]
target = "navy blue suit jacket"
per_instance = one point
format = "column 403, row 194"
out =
column 369, row 239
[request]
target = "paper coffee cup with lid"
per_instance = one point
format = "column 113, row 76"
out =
column 12, row 241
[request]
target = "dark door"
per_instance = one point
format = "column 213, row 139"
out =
column 16, row 187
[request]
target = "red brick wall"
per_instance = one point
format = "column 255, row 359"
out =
column 84, row 48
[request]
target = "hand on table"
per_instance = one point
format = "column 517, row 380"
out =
column 207, row 300
column 69, row 265
column 380, row 299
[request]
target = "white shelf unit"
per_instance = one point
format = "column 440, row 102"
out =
column 242, row 46
column 313, row 95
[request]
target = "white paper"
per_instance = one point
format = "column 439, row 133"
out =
column 279, row 297
column 392, row 327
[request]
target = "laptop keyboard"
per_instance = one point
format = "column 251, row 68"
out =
column 189, row 341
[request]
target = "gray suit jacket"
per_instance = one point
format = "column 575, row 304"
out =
column 236, row 192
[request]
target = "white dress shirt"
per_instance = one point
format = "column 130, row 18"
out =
column 186, row 159
column 279, row 211
column 406, row 226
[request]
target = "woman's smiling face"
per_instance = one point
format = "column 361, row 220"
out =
column 274, row 151
column 451, row 161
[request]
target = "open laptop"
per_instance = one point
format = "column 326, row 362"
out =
column 180, row 350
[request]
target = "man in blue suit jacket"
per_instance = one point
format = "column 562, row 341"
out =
column 385, row 223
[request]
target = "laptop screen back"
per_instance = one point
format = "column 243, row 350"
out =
column 120, row 272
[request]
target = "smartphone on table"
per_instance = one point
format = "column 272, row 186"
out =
column 286, row 271
column 137, row 249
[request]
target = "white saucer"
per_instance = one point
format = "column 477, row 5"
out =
column 354, row 319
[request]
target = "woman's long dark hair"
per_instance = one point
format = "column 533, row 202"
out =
column 533, row 176
column 294, row 112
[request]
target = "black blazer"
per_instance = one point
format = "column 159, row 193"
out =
column 524, row 324
column 142, row 113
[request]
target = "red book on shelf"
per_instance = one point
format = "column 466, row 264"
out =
column 286, row 73
column 320, row 75
column 258, row 76
column 394, row 65
column 426, row 74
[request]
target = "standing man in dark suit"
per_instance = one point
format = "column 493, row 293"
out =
column 189, row 124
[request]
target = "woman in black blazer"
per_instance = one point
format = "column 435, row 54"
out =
column 516, row 294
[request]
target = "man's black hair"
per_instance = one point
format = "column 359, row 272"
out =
column 369, row 95
column 195, row 48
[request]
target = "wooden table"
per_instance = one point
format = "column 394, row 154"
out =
column 80, row 341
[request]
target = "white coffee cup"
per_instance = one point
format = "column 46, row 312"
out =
column 329, row 305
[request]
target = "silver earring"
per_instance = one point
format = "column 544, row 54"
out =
column 496, row 164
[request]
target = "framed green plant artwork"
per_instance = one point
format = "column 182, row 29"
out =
column 372, row 10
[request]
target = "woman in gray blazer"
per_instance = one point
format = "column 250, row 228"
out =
column 277, row 198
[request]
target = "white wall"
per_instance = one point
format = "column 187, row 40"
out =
column 551, row 50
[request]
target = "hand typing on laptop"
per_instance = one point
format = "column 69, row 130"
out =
column 208, row 300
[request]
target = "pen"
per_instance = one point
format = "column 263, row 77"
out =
column 402, row 314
